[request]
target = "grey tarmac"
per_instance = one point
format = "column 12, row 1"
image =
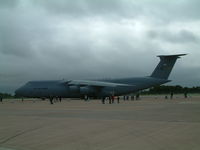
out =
column 151, row 123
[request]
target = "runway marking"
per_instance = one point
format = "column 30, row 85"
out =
column 2, row 148
column 18, row 134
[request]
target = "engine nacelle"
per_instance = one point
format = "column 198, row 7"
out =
column 74, row 89
column 107, row 91
column 86, row 90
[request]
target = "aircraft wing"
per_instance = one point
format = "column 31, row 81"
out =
column 97, row 83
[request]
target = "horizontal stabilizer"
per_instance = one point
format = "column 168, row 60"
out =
column 175, row 56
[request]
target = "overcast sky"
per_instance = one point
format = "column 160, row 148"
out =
column 82, row 39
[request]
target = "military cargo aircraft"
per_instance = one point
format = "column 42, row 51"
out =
column 99, row 88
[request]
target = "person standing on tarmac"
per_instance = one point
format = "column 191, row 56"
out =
column 113, row 98
column 171, row 95
column 110, row 102
column 185, row 94
column 118, row 99
column 1, row 99
column 103, row 100
column 137, row 96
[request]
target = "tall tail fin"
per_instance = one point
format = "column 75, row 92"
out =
column 165, row 66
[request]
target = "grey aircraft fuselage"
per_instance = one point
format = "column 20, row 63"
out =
column 99, row 88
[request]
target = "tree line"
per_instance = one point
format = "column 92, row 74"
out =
column 166, row 89
column 6, row 95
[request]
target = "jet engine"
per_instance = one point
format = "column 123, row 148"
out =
column 74, row 88
column 86, row 90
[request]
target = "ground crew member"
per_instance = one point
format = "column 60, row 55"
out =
column 118, row 99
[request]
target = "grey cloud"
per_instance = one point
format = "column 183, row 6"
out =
column 89, row 8
column 21, row 31
column 42, row 39
column 186, row 76
column 160, row 11
column 163, row 12
column 14, row 44
column 8, row 3
column 182, row 36
column 14, row 39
